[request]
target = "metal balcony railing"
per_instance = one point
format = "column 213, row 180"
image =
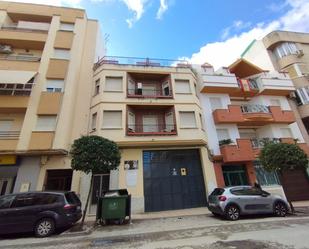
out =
column 16, row 89
column 151, row 128
column 255, row 109
column 253, row 84
column 260, row 142
column 9, row 134
column 13, row 57
column 147, row 62
column 149, row 92
column 15, row 27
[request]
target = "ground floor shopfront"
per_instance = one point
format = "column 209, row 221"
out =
column 158, row 178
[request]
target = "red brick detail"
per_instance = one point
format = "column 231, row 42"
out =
column 226, row 116
column 242, row 152
column 251, row 173
column 219, row 175
column 279, row 116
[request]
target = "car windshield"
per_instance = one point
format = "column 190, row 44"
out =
column 72, row 198
column 6, row 201
column 217, row 191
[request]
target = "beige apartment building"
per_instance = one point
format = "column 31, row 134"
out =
column 289, row 52
column 46, row 60
column 151, row 109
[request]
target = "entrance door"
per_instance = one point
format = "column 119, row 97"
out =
column 234, row 175
column 173, row 179
column 59, row 180
column 150, row 123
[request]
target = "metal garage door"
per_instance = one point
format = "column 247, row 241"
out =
column 173, row 179
column 296, row 184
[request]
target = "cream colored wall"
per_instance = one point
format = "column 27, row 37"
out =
column 18, row 119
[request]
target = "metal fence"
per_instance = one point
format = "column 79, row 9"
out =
column 149, row 92
column 255, row 108
column 151, row 128
column 11, row 57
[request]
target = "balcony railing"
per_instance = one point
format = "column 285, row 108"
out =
column 151, row 129
column 255, row 109
column 253, row 84
column 11, row 57
column 149, row 93
column 16, row 89
column 9, row 134
column 146, row 62
column 25, row 29
column 260, row 142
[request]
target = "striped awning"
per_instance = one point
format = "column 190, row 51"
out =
column 16, row 77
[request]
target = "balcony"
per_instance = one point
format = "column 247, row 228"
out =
column 19, row 62
column 151, row 120
column 149, row 86
column 274, row 84
column 141, row 62
column 254, row 115
column 249, row 149
column 9, row 140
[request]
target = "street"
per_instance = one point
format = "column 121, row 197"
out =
column 191, row 232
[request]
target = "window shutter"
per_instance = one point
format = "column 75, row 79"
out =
column 66, row 26
column 112, row 119
column 46, row 123
column 187, row 119
column 113, row 84
column 55, row 85
column 182, row 86
column 94, row 121
column 5, row 125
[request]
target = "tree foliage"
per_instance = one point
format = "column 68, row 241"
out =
column 94, row 154
column 282, row 156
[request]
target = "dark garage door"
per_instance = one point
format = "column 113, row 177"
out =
column 173, row 179
column 296, row 184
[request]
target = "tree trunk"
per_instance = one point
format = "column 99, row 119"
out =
column 284, row 189
column 87, row 202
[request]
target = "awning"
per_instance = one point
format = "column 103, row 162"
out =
column 16, row 77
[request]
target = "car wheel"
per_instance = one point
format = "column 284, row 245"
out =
column 280, row 209
column 44, row 227
column 232, row 212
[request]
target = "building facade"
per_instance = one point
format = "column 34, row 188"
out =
column 46, row 56
column 151, row 109
column 244, row 106
column 289, row 52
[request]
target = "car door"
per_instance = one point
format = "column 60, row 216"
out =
column 7, row 216
column 245, row 199
column 264, row 201
column 25, row 210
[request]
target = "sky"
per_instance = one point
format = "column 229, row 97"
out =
column 213, row 31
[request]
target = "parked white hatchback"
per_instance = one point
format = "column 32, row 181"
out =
column 232, row 202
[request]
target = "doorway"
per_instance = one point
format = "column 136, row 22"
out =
column 234, row 175
column 59, row 180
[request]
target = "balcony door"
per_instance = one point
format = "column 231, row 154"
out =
column 150, row 123
column 149, row 90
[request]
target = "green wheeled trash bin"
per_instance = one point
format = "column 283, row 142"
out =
column 115, row 206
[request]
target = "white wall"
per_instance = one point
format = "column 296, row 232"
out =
column 266, row 100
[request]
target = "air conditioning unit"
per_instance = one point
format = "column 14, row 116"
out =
column 292, row 95
column 299, row 53
column 5, row 49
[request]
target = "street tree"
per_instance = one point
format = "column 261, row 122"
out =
column 91, row 155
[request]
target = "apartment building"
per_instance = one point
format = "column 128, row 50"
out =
column 244, row 106
column 150, row 108
column 287, row 51
column 46, row 59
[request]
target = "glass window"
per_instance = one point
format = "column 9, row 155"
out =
column 215, row 103
column 45, row 199
column 217, row 191
column 265, row 178
column 223, row 134
column 61, row 54
column 112, row 119
column 72, row 198
column 6, row 125
column 113, row 84
column 6, row 201
column 94, row 121
column 46, row 123
column 284, row 49
column 202, row 122
column 286, row 132
column 187, row 119
column 182, row 86
column 97, row 87
column 54, row 85
column 67, row 26
column 24, row 200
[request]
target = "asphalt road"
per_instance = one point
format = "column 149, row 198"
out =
column 197, row 232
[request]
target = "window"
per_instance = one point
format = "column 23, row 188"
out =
column 46, row 123
column 286, row 132
column 265, row 178
column 6, row 201
column 202, row 122
column 66, row 26
column 182, row 86
column 187, row 119
column 215, row 103
column 97, row 87
column 94, row 122
column 303, row 94
column 112, row 119
column 61, row 54
column 54, row 85
column 45, row 199
column 275, row 102
column 223, row 134
column 24, row 200
column 285, row 49
column 113, row 84
column 5, row 125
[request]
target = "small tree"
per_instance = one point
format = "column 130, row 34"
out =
column 94, row 154
column 278, row 157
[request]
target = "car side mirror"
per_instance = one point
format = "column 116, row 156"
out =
column 265, row 194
